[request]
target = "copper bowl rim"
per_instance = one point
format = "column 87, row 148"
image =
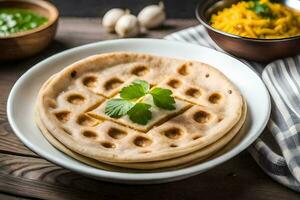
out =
column 200, row 16
column 52, row 19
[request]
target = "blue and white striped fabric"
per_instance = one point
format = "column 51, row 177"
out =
column 282, row 78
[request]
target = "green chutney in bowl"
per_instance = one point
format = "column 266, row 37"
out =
column 14, row 20
column 26, row 27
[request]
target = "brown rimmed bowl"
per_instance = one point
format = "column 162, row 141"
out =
column 27, row 43
column 261, row 50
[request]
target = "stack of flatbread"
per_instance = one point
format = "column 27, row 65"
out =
column 70, row 112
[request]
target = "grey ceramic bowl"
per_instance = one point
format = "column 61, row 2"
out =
column 262, row 50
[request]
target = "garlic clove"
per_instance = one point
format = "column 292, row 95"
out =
column 152, row 16
column 111, row 17
column 127, row 26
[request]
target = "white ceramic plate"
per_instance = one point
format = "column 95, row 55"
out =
column 20, row 107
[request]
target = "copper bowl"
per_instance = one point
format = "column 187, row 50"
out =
column 262, row 50
column 27, row 43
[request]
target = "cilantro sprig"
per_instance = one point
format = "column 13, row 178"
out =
column 261, row 9
column 131, row 103
column 137, row 89
column 140, row 113
column 118, row 107
column 162, row 98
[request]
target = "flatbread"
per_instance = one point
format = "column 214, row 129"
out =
column 65, row 106
column 194, row 157
column 175, row 163
column 186, row 160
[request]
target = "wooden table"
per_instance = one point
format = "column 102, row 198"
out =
column 23, row 174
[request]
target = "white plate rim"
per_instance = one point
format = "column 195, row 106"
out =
column 121, row 175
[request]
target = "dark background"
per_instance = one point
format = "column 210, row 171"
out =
column 96, row 8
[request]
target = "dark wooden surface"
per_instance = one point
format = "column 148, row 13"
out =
column 24, row 175
column 97, row 8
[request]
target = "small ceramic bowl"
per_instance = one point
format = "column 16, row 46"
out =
column 28, row 43
column 262, row 50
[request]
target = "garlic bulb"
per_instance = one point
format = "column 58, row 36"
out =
column 127, row 26
column 152, row 16
column 111, row 17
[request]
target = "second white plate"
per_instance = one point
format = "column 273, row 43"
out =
column 20, row 107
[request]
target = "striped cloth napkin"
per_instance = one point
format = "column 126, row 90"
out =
column 282, row 78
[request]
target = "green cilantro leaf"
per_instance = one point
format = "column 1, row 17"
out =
column 261, row 9
column 137, row 89
column 144, row 84
column 140, row 113
column 162, row 98
column 118, row 107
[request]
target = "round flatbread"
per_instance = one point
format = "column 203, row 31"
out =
column 192, row 158
column 71, row 107
column 175, row 163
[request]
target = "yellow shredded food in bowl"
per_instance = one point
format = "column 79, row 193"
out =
column 258, row 19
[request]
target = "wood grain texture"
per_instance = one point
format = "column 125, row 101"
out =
column 83, row 32
column 23, row 174
column 35, row 177
column 5, row 196
column 10, row 144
